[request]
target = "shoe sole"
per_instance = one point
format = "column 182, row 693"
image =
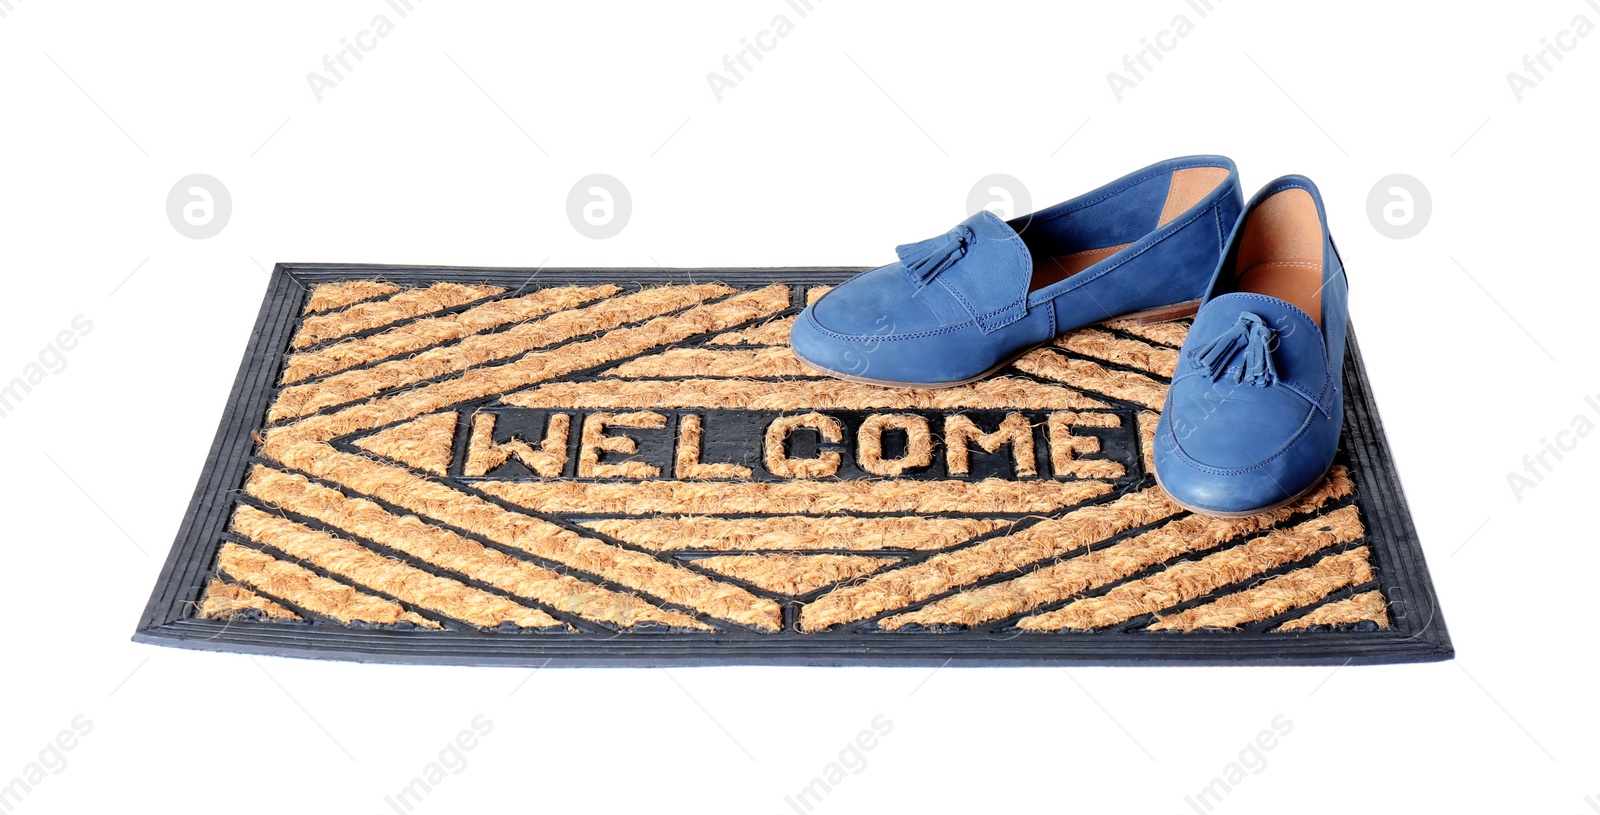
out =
column 1145, row 317
column 1245, row 513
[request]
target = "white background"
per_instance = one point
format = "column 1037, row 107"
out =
column 456, row 141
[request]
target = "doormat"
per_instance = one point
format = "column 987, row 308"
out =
column 629, row 467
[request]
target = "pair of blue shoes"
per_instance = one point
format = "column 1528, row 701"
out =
column 1253, row 414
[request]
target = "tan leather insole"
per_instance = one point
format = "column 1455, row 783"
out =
column 1280, row 251
column 1188, row 186
column 1061, row 267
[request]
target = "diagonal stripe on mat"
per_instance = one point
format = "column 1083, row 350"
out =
column 708, row 362
column 379, row 313
column 1082, row 373
column 413, row 337
column 365, row 567
column 457, row 553
column 477, row 350
column 311, row 591
column 1100, row 567
column 1296, row 589
column 1049, row 538
column 795, row 532
column 774, row 333
column 231, row 601
column 1365, row 607
column 1169, row 333
column 1111, row 348
column 329, row 296
column 1189, row 580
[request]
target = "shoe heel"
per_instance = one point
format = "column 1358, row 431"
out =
column 1176, row 311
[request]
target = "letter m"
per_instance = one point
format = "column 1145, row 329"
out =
column 1016, row 431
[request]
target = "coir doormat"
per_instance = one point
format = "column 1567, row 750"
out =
column 628, row 467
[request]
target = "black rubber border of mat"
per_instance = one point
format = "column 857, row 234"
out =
column 1418, row 632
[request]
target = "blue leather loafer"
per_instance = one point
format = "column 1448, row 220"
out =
column 957, row 307
column 1252, row 419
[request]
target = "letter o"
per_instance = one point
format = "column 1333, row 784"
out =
column 869, row 443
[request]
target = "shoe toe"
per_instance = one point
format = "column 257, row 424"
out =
column 822, row 348
column 1200, row 489
column 860, row 329
column 873, row 304
column 1204, row 474
column 1225, row 426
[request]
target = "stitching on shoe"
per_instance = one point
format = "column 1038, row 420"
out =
column 1177, row 449
column 1315, row 402
column 1084, row 252
column 949, row 329
column 1021, row 249
column 972, row 310
column 1012, row 306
